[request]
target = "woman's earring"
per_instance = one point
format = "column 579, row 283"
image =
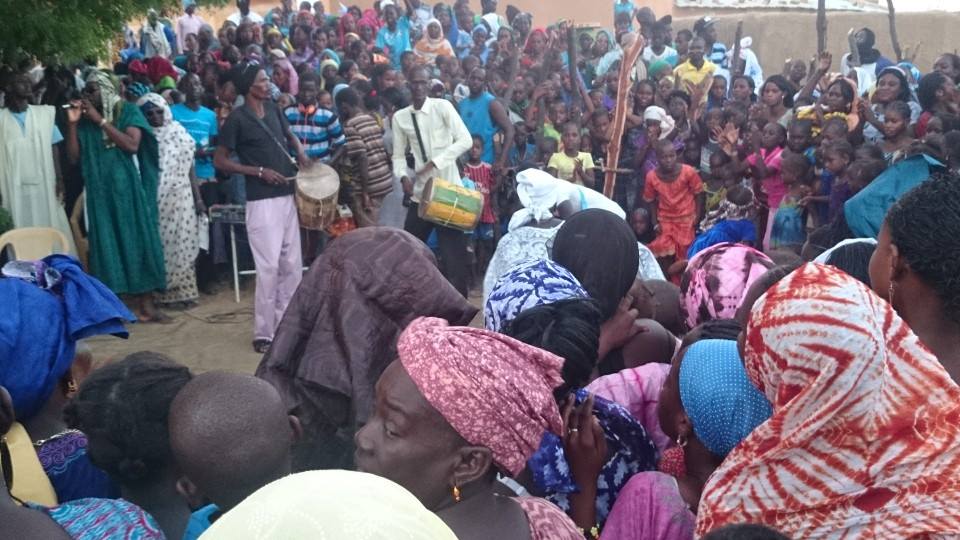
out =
column 456, row 494
column 71, row 387
column 890, row 293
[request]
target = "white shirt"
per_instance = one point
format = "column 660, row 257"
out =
column 253, row 17
column 187, row 24
column 445, row 137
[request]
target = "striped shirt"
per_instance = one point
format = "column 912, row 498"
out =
column 319, row 133
column 365, row 138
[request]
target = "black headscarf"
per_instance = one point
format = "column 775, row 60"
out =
column 246, row 76
column 600, row 250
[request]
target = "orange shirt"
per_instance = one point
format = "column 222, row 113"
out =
column 675, row 199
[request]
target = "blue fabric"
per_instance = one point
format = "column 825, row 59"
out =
column 476, row 115
column 21, row 118
column 789, row 227
column 65, row 460
column 866, row 210
column 396, row 43
column 718, row 397
column 39, row 329
column 202, row 126
column 528, row 285
column 732, row 231
column 629, row 448
column 100, row 519
column 200, row 522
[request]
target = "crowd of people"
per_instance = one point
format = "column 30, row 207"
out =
column 754, row 334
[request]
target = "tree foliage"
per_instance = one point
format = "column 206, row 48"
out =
column 70, row 30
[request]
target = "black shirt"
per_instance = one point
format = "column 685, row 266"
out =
column 242, row 134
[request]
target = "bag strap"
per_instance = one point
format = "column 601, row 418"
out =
column 273, row 137
column 416, row 129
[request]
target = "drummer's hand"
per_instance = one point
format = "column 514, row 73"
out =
column 303, row 160
column 427, row 169
column 271, row 176
column 407, row 186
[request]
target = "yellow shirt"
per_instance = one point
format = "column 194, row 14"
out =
column 565, row 164
column 688, row 76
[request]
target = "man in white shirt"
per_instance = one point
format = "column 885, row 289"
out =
column 243, row 13
column 189, row 23
column 436, row 136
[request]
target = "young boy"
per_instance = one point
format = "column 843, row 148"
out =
column 230, row 435
column 572, row 165
column 372, row 167
column 317, row 128
column 482, row 175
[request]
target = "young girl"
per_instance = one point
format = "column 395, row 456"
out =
column 766, row 162
column 732, row 221
column 572, row 164
column 897, row 135
column 674, row 194
column 720, row 178
column 789, row 222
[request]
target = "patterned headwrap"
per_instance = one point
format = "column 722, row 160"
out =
column 103, row 518
column 109, row 93
column 493, row 390
column 713, row 285
column 156, row 100
column 864, row 438
column 138, row 90
column 528, row 285
column 721, row 402
column 46, row 310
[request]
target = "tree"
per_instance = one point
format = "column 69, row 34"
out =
column 71, row 30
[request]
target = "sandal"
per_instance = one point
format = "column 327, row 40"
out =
column 261, row 346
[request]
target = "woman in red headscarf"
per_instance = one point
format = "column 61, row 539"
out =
column 535, row 48
column 346, row 25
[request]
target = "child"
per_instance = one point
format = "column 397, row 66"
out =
column 717, row 97
column 896, row 130
column 800, row 139
column 837, row 156
column 707, row 134
column 599, row 137
column 230, row 435
column 572, row 165
column 482, row 175
column 732, row 221
column 640, row 222
column 766, row 161
column 692, row 152
column 789, row 223
column 722, row 177
column 674, row 195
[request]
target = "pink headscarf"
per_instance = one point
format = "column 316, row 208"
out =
column 493, row 390
column 342, row 28
column 716, row 279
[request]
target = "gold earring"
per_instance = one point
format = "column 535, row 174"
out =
column 72, row 386
column 681, row 441
column 890, row 293
column 456, row 494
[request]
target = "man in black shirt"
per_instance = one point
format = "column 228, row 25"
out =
column 261, row 138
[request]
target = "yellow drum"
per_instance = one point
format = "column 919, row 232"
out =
column 450, row 205
column 317, row 189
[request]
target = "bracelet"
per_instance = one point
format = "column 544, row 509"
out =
column 103, row 122
column 592, row 534
column 260, row 173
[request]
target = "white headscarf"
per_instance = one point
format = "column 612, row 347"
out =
column 667, row 123
column 540, row 193
column 330, row 504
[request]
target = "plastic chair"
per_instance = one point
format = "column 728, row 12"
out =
column 76, row 226
column 33, row 243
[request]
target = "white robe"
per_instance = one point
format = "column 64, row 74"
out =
column 27, row 175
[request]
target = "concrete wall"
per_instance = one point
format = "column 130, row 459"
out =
column 777, row 35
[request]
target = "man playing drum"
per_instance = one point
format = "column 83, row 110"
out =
column 260, row 135
column 437, row 136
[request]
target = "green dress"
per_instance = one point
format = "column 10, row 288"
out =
column 126, row 252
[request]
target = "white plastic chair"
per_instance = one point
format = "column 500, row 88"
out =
column 33, row 243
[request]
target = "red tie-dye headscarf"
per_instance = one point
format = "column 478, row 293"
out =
column 493, row 390
column 864, row 441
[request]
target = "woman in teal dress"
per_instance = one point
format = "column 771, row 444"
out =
column 119, row 159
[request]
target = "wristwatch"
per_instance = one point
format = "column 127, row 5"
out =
column 103, row 122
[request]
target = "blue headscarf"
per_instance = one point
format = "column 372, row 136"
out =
column 721, row 402
column 47, row 307
column 528, row 285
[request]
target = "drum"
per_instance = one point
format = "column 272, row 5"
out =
column 450, row 205
column 317, row 188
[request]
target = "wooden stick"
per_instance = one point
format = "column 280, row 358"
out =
column 735, row 68
column 892, row 14
column 620, row 114
column 821, row 27
column 572, row 64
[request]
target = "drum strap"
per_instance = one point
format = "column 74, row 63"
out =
column 266, row 128
column 416, row 129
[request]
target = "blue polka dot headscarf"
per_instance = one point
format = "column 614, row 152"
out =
column 718, row 397
column 526, row 286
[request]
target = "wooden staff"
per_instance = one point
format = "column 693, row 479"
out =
column 735, row 68
column 821, row 27
column 620, row 114
column 572, row 64
column 892, row 15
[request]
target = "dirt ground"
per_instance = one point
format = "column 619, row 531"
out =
column 214, row 336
